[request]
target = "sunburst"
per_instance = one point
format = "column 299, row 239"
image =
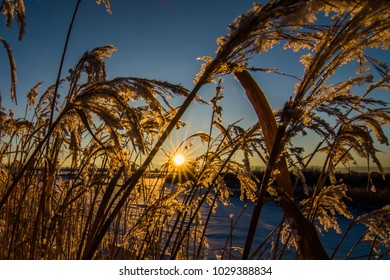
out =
column 178, row 159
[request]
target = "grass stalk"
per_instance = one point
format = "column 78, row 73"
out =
column 55, row 93
column 274, row 140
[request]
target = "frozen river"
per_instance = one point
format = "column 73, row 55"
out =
column 271, row 215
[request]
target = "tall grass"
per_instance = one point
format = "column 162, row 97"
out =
column 107, row 133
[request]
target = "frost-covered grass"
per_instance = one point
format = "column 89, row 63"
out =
column 108, row 131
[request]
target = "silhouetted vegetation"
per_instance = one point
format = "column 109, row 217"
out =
column 112, row 205
column 365, row 192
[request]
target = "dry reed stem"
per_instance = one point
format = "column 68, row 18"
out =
column 309, row 245
column 12, row 66
column 268, row 125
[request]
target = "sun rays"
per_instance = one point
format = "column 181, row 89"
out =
column 178, row 159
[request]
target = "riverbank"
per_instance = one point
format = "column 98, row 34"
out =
column 367, row 192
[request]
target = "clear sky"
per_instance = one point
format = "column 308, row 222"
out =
column 156, row 39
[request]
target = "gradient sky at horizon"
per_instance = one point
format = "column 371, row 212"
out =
column 155, row 39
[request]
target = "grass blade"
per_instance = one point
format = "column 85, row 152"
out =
column 268, row 124
column 309, row 245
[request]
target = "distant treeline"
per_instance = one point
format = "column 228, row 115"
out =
column 367, row 191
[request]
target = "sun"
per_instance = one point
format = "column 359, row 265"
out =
column 178, row 159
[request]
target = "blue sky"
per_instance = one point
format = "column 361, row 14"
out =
column 156, row 39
